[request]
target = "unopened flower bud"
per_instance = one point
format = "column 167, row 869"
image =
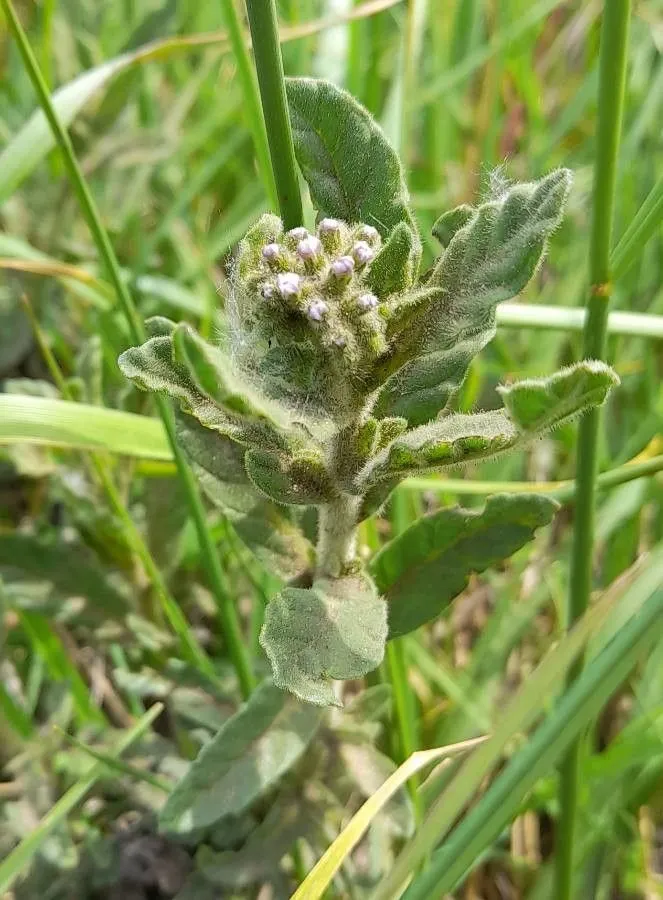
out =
column 367, row 301
column 309, row 248
column 328, row 226
column 271, row 252
column 343, row 266
column 362, row 253
column 317, row 310
column 298, row 234
column 369, row 233
column 339, row 342
column 288, row 284
column 267, row 290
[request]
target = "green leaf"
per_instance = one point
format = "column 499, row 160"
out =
column 250, row 753
column 394, row 269
column 421, row 571
column 288, row 819
column 42, row 420
column 267, row 529
column 200, row 377
column 352, row 171
column 489, row 259
column 66, row 568
column 450, row 222
column 299, row 479
column 336, row 629
column 539, row 404
column 532, row 408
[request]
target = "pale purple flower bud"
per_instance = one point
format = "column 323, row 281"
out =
column 367, row 301
column 298, row 234
column 343, row 266
column 328, row 226
column 271, row 252
column 288, row 284
column 339, row 342
column 317, row 310
column 309, row 247
column 362, row 253
column 368, row 233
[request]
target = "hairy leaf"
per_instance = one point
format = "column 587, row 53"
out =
column 299, row 479
column 253, row 749
column 450, row 222
column 532, row 407
column 336, row 629
column 395, row 266
column 539, row 404
column 267, row 529
column 489, row 259
column 352, row 171
column 200, row 377
column 424, row 568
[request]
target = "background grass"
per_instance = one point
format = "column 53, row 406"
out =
column 473, row 93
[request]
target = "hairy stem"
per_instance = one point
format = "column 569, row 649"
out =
column 337, row 532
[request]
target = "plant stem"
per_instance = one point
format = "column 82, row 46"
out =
column 337, row 535
column 227, row 613
column 269, row 65
column 251, row 96
column 612, row 78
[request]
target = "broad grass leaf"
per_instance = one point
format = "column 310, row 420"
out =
column 352, row 171
column 59, row 423
column 250, row 753
column 421, row 570
column 335, row 630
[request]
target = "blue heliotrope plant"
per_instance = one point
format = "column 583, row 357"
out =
column 337, row 382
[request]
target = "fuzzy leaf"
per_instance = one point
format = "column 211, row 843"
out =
column 336, row 629
column 426, row 384
column 489, row 259
column 452, row 441
column 300, row 479
column 450, row 222
column 200, row 377
column 352, row 171
column 539, row 404
column 532, row 408
column 394, row 269
column 249, row 754
column 424, row 568
column 267, row 529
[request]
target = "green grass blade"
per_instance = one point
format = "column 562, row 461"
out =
column 44, row 420
column 580, row 705
column 641, row 229
column 19, row 858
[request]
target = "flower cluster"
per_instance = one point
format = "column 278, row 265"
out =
column 305, row 303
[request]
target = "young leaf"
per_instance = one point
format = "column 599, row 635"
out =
column 352, row 171
column 336, row 629
column 395, row 267
column 532, row 407
column 253, row 749
column 489, row 259
column 539, row 404
column 450, row 222
column 299, row 479
column 421, row 571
